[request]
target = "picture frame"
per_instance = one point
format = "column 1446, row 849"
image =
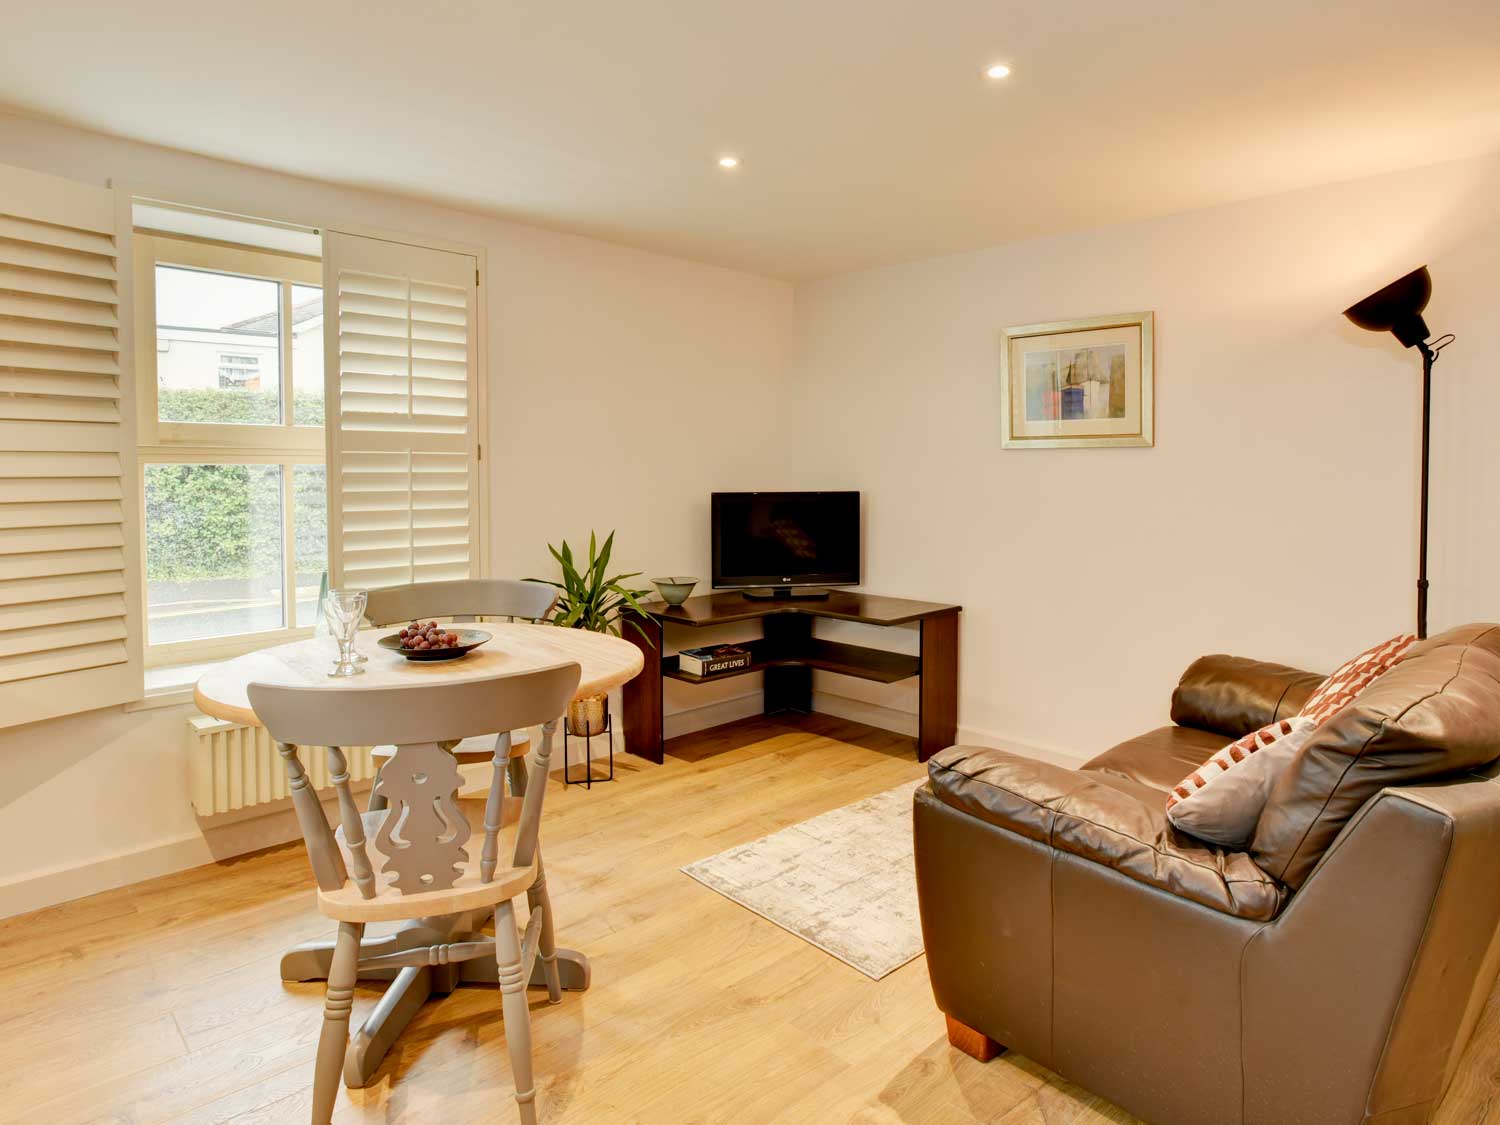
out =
column 1077, row 383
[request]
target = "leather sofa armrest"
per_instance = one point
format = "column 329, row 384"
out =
column 1232, row 695
column 1012, row 791
column 1099, row 817
column 1386, row 954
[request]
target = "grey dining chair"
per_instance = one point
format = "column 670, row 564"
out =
column 462, row 600
column 427, row 872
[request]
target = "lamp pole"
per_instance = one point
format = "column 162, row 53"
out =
column 1429, row 357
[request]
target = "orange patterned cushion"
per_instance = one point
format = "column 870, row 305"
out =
column 1339, row 689
column 1222, row 799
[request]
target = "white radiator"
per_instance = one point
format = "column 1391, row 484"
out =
column 233, row 766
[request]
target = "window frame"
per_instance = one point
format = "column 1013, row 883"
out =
column 284, row 444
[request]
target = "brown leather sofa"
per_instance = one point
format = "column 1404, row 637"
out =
column 1331, row 972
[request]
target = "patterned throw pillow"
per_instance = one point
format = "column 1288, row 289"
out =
column 1222, row 799
column 1339, row 689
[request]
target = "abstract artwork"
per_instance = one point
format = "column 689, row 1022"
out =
column 1079, row 382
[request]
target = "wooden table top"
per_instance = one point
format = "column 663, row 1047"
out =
column 841, row 605
column 606, row 662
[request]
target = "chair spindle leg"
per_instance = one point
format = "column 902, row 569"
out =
column 516, row 1013
column 334, row 1038
column 537, row 898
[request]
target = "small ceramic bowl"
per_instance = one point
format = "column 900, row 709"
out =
column 674, row 591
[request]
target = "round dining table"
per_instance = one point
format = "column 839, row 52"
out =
column 605, row 662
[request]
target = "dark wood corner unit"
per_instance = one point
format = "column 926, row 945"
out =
column 787, row 652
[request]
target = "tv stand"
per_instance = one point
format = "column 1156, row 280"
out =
column 809, row 593
column 787, row 653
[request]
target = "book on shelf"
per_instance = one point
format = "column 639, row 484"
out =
column 711, row 659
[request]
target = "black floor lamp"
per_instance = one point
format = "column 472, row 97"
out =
column 1398, row 309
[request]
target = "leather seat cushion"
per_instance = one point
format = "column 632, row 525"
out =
column 1111, row 820
column 1160, row 758
column 1435, row 713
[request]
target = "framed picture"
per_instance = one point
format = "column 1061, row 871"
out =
column 1078, row 382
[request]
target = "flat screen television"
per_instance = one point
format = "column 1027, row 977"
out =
column 777, row 544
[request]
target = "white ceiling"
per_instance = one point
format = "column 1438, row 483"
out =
column 867, row 131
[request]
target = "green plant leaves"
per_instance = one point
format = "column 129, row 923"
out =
column 589, row 600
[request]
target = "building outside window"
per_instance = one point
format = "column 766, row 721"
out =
column 236, row 372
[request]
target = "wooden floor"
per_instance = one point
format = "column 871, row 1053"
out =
column 161, row 1001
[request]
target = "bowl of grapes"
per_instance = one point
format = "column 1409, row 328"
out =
column 427, row 640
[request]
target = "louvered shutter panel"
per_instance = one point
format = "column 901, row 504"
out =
column 69, row 593
column 402, row 396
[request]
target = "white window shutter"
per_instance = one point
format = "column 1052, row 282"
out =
column 401, row 373
column 70, row 636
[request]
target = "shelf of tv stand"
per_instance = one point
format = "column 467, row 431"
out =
column 788, row 653
column 829, row 656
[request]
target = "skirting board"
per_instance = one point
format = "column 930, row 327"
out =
column 264, row 826
column 844, row 707
column 219, row 838
column 905, row 722
column 229, row 836
column 685, row 720
column 693, row 719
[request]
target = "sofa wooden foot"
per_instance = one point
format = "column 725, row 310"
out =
column 971, row 1042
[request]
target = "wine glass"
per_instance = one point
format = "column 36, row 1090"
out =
column 322, row 629
column 344, row 609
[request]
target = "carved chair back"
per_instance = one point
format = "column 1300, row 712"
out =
column 464, row 599
column 423, row 833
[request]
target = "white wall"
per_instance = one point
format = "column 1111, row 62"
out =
column 624, row 386
column 1274, row 518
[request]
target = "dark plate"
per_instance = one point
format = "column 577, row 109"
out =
column 468, row 641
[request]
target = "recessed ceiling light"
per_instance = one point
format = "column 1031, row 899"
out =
column 998, row 70
column 729, row 162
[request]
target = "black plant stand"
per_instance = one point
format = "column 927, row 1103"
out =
column 588, row 743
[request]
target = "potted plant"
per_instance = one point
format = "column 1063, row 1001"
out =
column 589, row 600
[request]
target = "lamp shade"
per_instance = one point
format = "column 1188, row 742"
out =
column 1397, row 308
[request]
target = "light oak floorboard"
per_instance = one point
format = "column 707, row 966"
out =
column 160, row 1002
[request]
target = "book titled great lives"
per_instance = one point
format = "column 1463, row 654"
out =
column 709, row 660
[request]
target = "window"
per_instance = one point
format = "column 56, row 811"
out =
column 233, row 485
column 221, row 488
column 213, row 550
column 197, row 314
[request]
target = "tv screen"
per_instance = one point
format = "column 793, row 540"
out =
column 782, row 539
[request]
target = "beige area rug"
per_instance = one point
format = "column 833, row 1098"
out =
column 843, row 881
